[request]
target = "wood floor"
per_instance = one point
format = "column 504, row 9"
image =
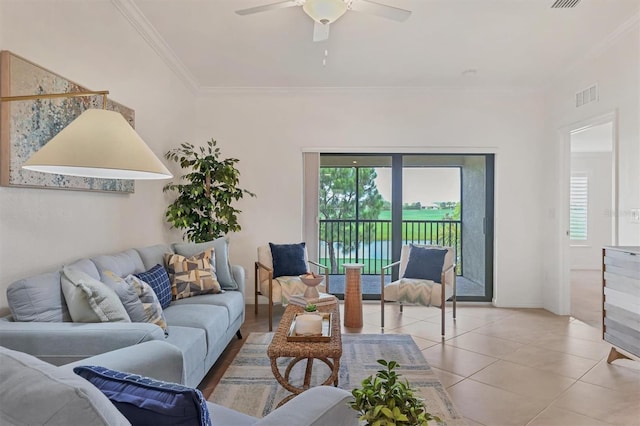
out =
column 503, row 366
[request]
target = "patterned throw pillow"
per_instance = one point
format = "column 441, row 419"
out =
column 150, row 303
column 158, row 279
column 145, row 401
column 90, row 300
column 127, row 294
column 191, row 276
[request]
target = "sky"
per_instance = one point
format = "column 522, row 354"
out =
column 426, row 185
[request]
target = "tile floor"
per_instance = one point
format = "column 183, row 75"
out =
column 505, row 366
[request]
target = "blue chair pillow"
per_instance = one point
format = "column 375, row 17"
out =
column 144, row 401
column 158, row 279
column 288, row 259
column 425, row 263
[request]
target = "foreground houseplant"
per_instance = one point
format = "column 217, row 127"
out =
column 203, row 206
column 385, row 400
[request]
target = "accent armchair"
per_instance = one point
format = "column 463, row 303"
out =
column 423, row 270
column 277, row 274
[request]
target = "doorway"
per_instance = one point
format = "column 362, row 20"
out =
column 592, row 214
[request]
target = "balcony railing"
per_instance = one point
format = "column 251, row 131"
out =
column 369, row 241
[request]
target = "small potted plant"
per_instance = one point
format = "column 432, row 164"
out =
column 310, row 308
column 385, row 400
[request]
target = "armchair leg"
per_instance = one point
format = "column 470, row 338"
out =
column 270, row 302
column 255, row 289
column 443, row 301
column 382, row 301
column 454, row 297
column 401, row 305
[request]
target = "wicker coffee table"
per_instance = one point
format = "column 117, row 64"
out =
column 327, row 352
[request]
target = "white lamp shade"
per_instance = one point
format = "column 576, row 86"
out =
column 99, row 143
column 324, row 11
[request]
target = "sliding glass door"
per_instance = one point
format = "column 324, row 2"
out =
column 369, row 206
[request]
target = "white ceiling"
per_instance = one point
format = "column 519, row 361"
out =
column 511, row 43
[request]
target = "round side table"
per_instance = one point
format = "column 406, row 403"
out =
column 353, row 295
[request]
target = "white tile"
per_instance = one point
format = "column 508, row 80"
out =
column 524, row 380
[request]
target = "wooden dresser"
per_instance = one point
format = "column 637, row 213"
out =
column 621, row 300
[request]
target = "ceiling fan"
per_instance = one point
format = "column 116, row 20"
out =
column 325, row 12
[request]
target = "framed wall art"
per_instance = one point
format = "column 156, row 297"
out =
column 27, row 125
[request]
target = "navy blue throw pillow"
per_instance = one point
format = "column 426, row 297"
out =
column 288, row 259
column 425, row 263
column 145, row 401
column 158, row 279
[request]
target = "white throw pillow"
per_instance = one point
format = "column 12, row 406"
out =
column 90, row 300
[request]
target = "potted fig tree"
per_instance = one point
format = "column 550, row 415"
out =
column 203, row 207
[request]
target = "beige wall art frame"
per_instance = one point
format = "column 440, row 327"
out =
column 26, row 126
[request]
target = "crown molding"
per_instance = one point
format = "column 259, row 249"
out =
column 205, row 92
column 603, row 46
column 142, row 25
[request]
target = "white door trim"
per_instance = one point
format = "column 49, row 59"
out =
column 564, row 137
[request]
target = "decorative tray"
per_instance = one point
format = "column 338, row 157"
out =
column 327, row 317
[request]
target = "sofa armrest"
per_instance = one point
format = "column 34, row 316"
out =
column 63, row 342
column 155, row 359
column 239, row 276
column 321, row 405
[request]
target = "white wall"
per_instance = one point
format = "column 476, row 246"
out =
column 93, row 44
column 617, row 72
column 268, row 131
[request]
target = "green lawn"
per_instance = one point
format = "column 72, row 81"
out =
column 418, row 214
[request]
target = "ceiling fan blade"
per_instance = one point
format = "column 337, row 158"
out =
column 383, row 10
column 267, row 7
column 320, row 31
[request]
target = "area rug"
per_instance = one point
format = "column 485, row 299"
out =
column 248, row 384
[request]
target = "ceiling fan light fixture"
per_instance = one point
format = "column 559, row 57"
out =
column 324, row 11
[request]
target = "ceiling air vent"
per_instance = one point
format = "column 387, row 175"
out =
column 586, row 96
column 564, row 4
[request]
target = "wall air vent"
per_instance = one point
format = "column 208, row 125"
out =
column 564, row 4
column 586, row 96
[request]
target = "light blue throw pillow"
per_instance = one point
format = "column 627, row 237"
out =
column 127, row 294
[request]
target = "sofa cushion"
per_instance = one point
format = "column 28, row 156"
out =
column 38, row 298
column 143, row 400
column 122, row 264
column 152, row 309
column 191, row 276
column 128, row 295
column 33, row 392
column 153, row 255
column 231, row 300
column 221, row 259
column 86, row 266
column 214, row 320
column 90, row 300
column 192, row 342
column 158, row 279
column 288, row 259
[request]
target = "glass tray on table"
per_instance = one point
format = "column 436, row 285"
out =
column 326, row 329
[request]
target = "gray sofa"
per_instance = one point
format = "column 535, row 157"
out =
column 33, row 392
column 200, row 326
